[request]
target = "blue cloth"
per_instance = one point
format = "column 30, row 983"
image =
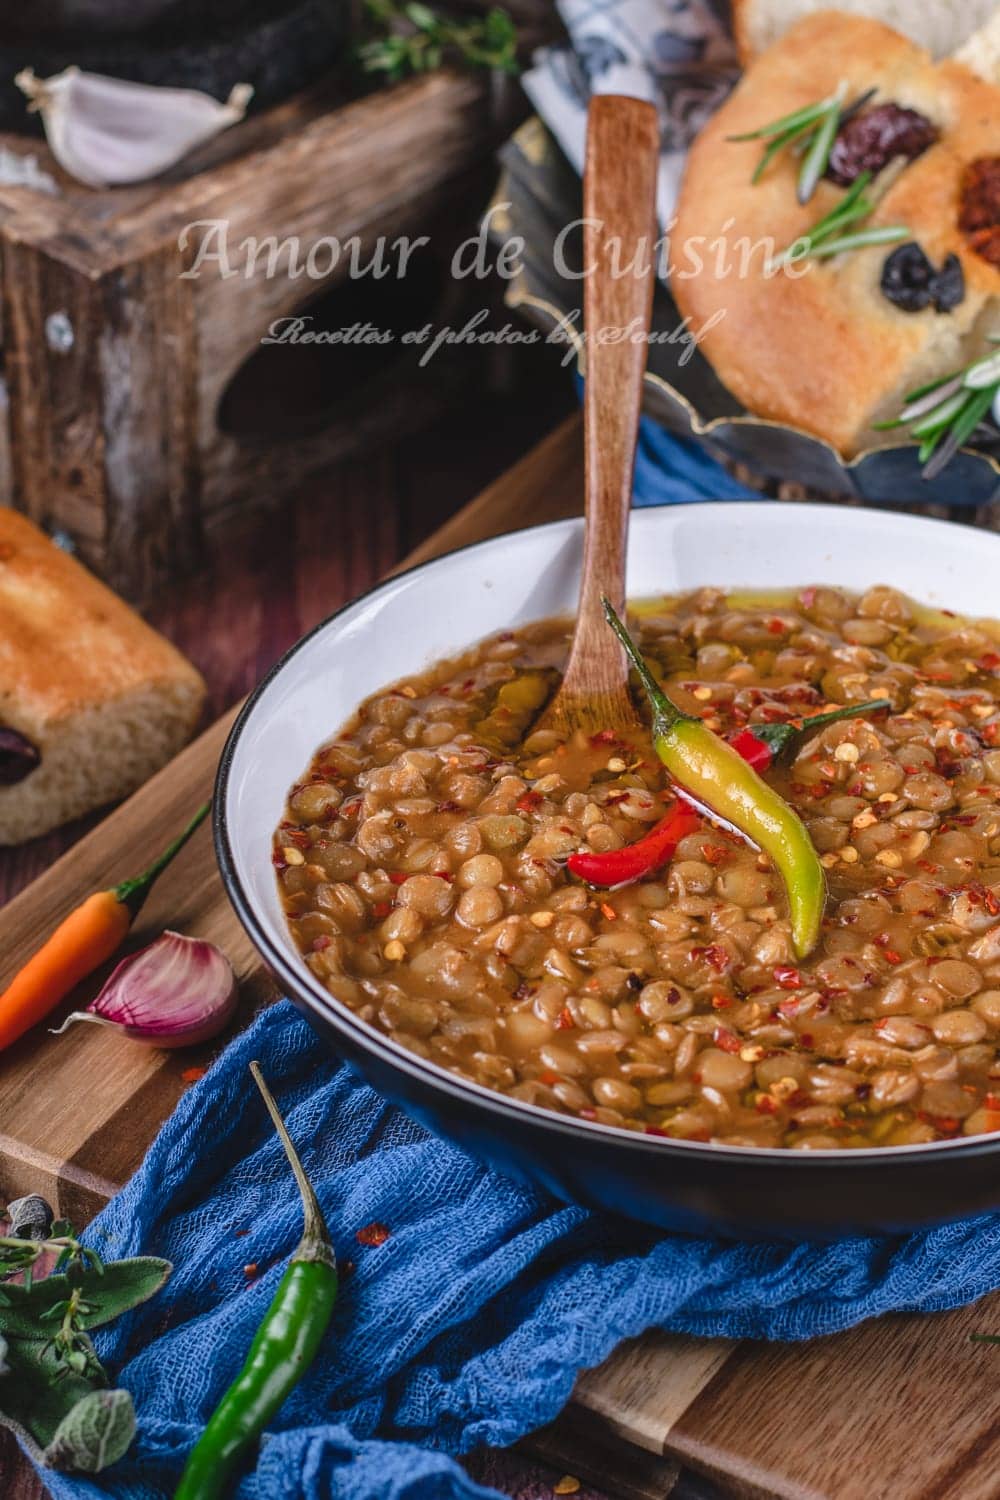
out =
column 673, row 470
column 466, row 1326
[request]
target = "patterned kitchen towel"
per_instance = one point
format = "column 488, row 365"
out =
column 676, row 53
column 466, row 1325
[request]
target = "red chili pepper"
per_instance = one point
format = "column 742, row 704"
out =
column 618, row 866
column 759, row 747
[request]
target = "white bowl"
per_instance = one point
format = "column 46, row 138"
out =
column 433, row 611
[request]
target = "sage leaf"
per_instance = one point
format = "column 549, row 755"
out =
column 39, row 1390
column 118, row 1287
column 96, row 1432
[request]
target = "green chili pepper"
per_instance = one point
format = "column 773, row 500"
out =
column 714, row 775
column 284, row 1345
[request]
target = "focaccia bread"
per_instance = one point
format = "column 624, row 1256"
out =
column 942, row 26
column 820, row 346
column 92, row 700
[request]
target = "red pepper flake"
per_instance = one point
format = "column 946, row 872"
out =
column 892, row 957
column 992, row 1101
column 653, row 1130
column 726, row 1040
column 989, row 661
column 617, row 797
column 373, row 1234
column 607, row 910
column 943, row 1124
column 927, row 866
column 380, row 909
column 564, row 1020
column 776, row 626
column 191, row 1075
column 444, row 875
column 528, row 801
column 319, row 944
column 714, row 854
column 350, row 808
column 806, row 1040
column 790, row 1007
column 765, row 1105
column 398, row 877
column 787, row 977
column 714, row 955
column 720, row 1002
column 549, row 1077
column 604, row 737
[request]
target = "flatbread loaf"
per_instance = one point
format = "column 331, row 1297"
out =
column 820, row 346
column 942, row 26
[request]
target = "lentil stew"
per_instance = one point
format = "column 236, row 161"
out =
column 422, row 868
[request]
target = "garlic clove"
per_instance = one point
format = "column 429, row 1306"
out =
column 107, row 132
column 175, row 993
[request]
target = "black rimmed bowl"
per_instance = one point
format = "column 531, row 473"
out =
column 433, row 611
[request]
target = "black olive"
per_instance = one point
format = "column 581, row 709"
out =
column 948, row 285
column 18, row 757
column 911, row 283
column 907, row 276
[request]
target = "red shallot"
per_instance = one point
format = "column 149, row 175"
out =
column 176, row 992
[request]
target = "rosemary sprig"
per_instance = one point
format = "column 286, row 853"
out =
column 826, row 237
column 410, row 38
column 812, row 130
column 944, row 414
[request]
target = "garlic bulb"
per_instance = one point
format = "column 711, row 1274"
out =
column 106, row 132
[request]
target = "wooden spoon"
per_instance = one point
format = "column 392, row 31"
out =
column 619, row 197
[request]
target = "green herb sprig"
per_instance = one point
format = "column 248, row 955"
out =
column 943, row 414
column 54, row 1392
column 827, row 236
column 812, row 130
column 412, row 38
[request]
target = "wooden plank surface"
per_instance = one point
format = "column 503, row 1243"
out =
column 903, row 1409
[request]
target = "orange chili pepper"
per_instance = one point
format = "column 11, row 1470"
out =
column 82, row 941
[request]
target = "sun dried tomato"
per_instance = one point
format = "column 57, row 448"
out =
column 979, row 213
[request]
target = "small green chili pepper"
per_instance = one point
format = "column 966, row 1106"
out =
column 283, row 1348
column 713, row 774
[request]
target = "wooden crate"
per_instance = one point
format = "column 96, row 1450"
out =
column 115, row 363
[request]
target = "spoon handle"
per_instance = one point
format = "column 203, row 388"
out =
column 619, row 257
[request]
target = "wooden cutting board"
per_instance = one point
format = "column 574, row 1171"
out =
column 905, row 1408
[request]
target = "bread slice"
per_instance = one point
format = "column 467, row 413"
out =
column 942, row 26
column 823, row 349
column 101, row 696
